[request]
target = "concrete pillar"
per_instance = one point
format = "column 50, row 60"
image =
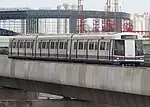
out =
column 23, row 26
column 66, row 24
column 32, row 25
column 58, row 21
column 72, row 25
column 58, row 25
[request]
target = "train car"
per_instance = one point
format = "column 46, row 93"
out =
column 4, row 44
column 54, row 46
column 93, row 48
column 128, row 48
column 121, row 48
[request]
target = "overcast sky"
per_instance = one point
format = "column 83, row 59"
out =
column 131, row 6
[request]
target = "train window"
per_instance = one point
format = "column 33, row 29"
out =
column 108, row 46
column 18, row 44
column 48, row 45
column 91, row 45
column 21, row 45
column 138, row 47
column 43, row 45
column 96, row 45
column 80, row 45
column 102, row 46
column 61, row 45
column 39, row 45
column 10, row 44
column 52, row 45
column 14, row 44
column 66, row 44
column 56, row 45
column 119, row 47
column 32, row 44
column 28, row 44
column 24, row 45
column 75, row 45
column 85, row 45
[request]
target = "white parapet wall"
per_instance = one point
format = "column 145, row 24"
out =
column 134, row 80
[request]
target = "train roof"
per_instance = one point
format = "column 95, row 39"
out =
column 102, row 35
column 58, row 36
column 22, row 37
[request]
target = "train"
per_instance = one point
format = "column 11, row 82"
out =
column 111, row 48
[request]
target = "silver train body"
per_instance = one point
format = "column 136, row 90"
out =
column 100, row 48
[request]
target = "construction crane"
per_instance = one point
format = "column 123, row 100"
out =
column 108, row 24
column 81, row 23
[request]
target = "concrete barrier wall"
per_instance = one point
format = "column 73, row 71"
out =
column 121, row 79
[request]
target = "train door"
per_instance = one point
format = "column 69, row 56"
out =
column 81, row 49
column 119, row 50
column 129, row 49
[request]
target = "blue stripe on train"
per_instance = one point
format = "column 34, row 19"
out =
column 82, row 56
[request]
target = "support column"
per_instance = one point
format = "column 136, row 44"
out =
column 72, row 25
column 23, row 26
column 32, row 25
column 66, row 24
column 58, row 25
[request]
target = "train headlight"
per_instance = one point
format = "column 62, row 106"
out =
column 117, row 58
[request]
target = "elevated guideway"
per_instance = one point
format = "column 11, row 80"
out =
column 105, row 84
column 133, row 80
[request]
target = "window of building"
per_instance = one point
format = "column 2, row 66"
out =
column 61, row 45
column 80, row 45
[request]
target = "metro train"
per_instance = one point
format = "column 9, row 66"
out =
column 111, row 48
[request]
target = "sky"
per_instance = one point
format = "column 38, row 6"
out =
column 131, row 6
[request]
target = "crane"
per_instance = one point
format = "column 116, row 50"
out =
column 80, row 24
column 107, row 23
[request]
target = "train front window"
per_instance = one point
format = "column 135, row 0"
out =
column 138, row 47
column 119, row 47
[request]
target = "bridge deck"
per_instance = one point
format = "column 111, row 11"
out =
column 121, row 79
column 59, row 14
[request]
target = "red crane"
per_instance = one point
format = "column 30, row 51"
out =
column 108, row 24
column 80, row 24
column 96, row 25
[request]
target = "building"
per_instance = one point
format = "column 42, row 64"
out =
column 141, row 22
